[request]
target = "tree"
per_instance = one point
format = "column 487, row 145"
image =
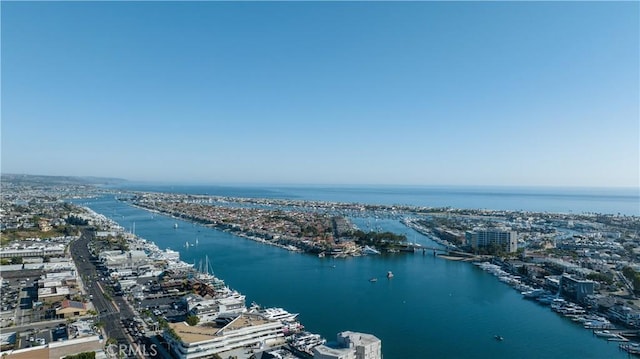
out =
column 600, row 277
column 192, row 320
column 632, row 276
column 172, row 333
column 111, row 341
column 85, row 355
column 76, row 221
column 523, row 271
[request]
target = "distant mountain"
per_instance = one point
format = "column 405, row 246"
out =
column 39, row 179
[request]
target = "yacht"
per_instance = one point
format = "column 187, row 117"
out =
column 604, row 334
column 275, row 314
column 546, row 299
column 532, row 294
column 389, row 274
column 305, row 341
column 597, row 323
column 370, row 250
column 374, row 279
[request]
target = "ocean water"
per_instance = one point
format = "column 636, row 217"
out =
column 625, row 201
column 432, row 308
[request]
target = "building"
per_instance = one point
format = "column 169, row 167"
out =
column 208, row 310
column 576, row 289
column 507, row 240
column 70, row 308
column 326, row 352
column 119, row 261
column 44, row 225
column 33, row 251
column 246, row 330
column 56, row 350
column 351, row 345
column 627, row 314
column 53, row 294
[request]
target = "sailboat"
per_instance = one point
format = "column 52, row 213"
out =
column 175, row 226
column 196, row 241
column 186, row 244
column 205, row 270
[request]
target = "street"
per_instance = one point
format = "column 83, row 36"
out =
column 107, row 313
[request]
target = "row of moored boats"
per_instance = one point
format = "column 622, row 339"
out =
column 600, row 325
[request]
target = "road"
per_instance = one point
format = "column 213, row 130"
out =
column 108, row 313
column 36, row 326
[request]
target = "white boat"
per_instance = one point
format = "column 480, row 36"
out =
column 305, row 341
column 605, row 334
column 370, row 250
column 389, row 274
column 532, row 294
column 602, row 323
column 546, row 299
column 175, row 225
column 276, row 314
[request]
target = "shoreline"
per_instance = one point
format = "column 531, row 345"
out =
column 280, row 240
column 452, row 258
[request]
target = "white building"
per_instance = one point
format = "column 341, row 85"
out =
column 208, row 310
column 33, row 251
column 325, row 352
column 352, row 345
column 117, row 260
column 247, row 330
column 171, row 255
column 506, row 239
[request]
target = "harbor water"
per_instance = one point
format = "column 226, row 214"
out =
column 431, row 308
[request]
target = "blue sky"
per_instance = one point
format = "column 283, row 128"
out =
column 417, row 93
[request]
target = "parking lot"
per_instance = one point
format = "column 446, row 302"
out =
column 37, row 337
column 9, row 304
column 18, row 295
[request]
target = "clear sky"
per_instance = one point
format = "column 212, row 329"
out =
column 419, row 93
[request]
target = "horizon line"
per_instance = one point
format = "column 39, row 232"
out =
column 305, row 184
